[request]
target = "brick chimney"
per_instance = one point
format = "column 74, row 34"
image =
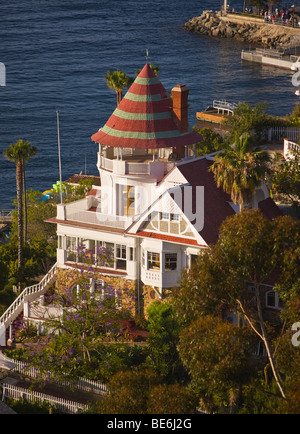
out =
column 180, row 94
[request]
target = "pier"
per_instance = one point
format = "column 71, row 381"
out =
column 274, row 58
column 6, row 215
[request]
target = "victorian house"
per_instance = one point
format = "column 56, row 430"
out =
column 157, row 206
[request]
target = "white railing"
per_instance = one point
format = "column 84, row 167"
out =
column 279, row 133
column 15, row 392
column 97, row 218
column 224, row 105
column 137, row 168
column 16, row 307
column 290, row 148
column 106, row 163
column 6, row 215
column 83, row 384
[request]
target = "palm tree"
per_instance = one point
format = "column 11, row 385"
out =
column 29, row 151
column 19, row 153
column 241, row 169
column 118, row 81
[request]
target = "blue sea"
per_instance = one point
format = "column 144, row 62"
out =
column 56, row 54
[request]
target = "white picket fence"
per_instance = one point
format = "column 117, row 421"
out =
column 279, row 133
column 15, row 392
column 83, row 384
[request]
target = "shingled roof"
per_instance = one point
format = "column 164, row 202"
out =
column 216, row 201
column 144, row 118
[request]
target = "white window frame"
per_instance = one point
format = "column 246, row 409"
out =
column 148, row 252
column 276, row 300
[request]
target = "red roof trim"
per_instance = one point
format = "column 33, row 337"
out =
column 171, row 238
column 85, row 225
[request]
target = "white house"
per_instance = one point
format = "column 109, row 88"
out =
column 157, row 206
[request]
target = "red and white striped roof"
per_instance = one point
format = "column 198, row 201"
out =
column 144, row 118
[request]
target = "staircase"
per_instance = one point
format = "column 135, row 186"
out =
column 15, row 310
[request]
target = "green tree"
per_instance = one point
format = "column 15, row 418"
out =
column 171, row 399
column 118, row 81
column 241, row 169
column 284, row 180
column 216, row 355
column 20, row 153
column 246, row 119
column 129, row 391
column 162, row 342
column 90, row 315
column 38, row 211
column 235, row 273
column 257, row 3
column 211, row 142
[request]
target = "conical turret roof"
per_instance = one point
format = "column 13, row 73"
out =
column 144, row 118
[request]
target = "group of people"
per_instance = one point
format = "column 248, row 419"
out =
column 284, row 16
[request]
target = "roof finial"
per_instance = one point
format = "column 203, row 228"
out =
column 147, row 55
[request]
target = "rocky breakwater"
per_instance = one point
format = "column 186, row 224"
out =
column 242, row 29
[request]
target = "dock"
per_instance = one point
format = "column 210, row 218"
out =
column 274, row 58
column 214, row 116
column 6, row 216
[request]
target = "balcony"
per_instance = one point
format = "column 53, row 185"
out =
column 130, row 165
column 155, row 163
column 166, row 279
column 94, row 217
column 87, row 211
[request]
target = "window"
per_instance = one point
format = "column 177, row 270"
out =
column 169, row 217
column 175, row 217
column 193, row 259
column 131, row 254
column 121, row 257
column 273, row 300
column 170, row 261
column 60, row 242
column 71, row 243
column 86, row 251
column 110, row 254
column 71, row 246
column 153, row 261
column 128, row 199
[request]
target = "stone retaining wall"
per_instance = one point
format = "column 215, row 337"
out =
column 242, row 29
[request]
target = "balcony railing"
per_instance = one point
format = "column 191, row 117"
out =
column 123, row 167
column 98, row 218
column 290, row 148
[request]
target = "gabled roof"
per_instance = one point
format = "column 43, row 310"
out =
column 166, row 203
column 144, row 118
column 269, row 208
column 216, row 201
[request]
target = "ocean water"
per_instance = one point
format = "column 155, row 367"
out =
column 56, row 54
